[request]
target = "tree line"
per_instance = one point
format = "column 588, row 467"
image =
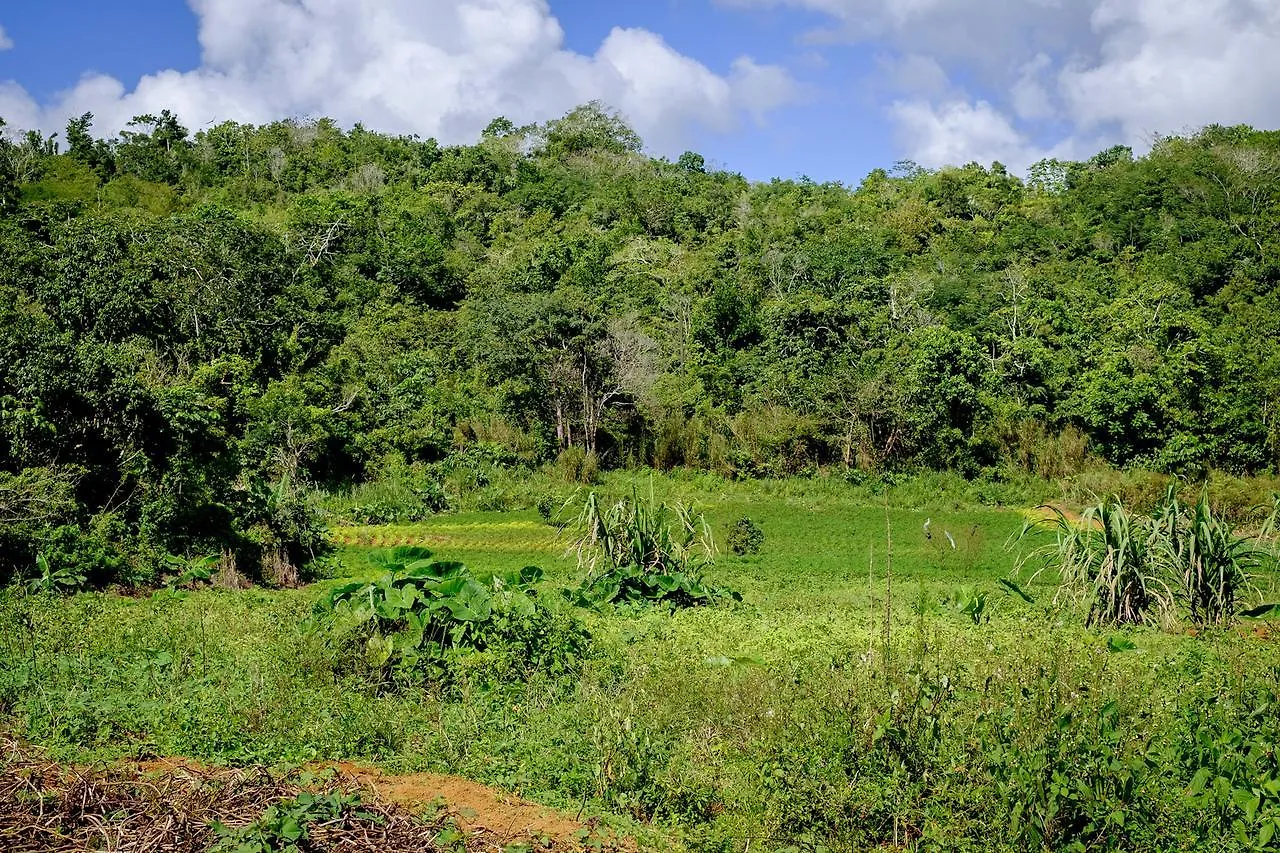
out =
column 199, row 330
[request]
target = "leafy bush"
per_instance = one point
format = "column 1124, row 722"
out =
column 418, row 620
column 651, row 553
column 1077, row 784
column 1235, row 758
column 32, row 503
column 401, row 494
column 89, row 555
column 576, row 465
column 745, row 537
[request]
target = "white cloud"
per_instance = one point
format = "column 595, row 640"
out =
column 988, row 35
column 5, row 42
column 959, row 132
column 917, row 75
column 17, row 108
column 1030, row 95
column 1170, row 64
column 1059, row 76
column 763, row 88
column 441, row 68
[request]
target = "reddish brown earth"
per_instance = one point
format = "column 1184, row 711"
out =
column 499, row 818
column 172, row 804
column 481, row 809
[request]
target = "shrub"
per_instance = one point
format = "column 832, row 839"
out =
column 575, row 465
column 32, row 503
column 1076, row 784
column 546, row 506
column 745, row 537
column 1033, row 447
column 89, row 555
column 418, row 620
column 401, row 494
column 281, row 524
column 651, row 553
column 1232, row 753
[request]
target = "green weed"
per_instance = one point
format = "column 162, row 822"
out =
column 421, row 615
column 639, row 552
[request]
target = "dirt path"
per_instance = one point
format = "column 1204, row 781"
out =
column 481, row 809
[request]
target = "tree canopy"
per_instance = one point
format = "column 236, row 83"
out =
column 196, row 329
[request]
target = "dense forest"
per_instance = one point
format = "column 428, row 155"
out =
column 200, row 331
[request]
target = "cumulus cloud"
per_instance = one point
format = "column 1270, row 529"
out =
column 1167, row 64
column 441, row 68
column 951, row 132
column 5, row 42
column 1058, row 77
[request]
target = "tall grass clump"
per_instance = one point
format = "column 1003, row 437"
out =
column 638, row 551
column 1213, row 566
column 1132, row 568
column 1107, row 560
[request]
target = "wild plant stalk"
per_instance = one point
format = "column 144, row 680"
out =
column 1213, row 565
column 651, row 536
column 871, row 594
column 888, row 586
column 1105, row 562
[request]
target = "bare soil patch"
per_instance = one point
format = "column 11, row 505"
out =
column 174, row 804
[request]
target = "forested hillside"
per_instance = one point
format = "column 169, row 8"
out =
column 198, row 330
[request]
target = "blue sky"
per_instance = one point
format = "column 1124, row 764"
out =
column 824, row 88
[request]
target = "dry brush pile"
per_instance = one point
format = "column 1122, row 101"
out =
column 51, row 808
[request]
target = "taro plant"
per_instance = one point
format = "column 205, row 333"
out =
column 970, row 602
column 422, row 615
column 642, row 551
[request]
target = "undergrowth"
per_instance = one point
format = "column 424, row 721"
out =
column 422, row 618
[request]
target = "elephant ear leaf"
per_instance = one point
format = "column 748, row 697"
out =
column 472, row 602
column 522, row 605
column 428, row 569
column 337, row 596
column 407, row 554
column 523, row 579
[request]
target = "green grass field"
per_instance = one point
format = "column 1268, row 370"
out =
column 846, row 704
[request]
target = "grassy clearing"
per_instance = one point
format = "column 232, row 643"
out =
column 801, row 719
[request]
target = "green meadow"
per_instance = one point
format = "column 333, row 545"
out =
column 878, row 687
